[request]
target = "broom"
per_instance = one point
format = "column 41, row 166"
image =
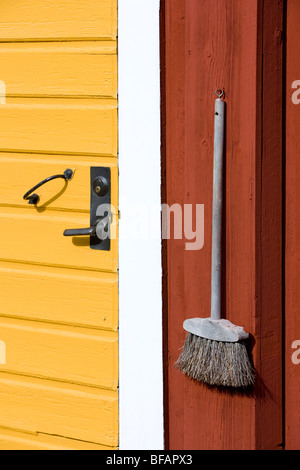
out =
column 215, row 350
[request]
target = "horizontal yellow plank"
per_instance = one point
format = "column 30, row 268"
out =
column 89, row 47
column 72, row 411
column 15, row 440
column 59, row 295
column 38, row 238
column 63, row 70
column 48, row 19
column 61, row 127
column 20, row 172
column 89, row 357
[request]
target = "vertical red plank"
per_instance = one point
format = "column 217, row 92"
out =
column 292, row 257
column 269, row 260
column 212, row 44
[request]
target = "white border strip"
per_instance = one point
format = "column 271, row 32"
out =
column 140, row 292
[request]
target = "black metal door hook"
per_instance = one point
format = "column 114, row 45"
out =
column 34, row 198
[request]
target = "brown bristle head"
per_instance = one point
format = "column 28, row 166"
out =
column 216, row 362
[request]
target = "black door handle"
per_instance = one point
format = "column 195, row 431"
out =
column 34, row 198
column 79, row 232
column 99, row 230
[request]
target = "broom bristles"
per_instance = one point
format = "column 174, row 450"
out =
column 216, row 362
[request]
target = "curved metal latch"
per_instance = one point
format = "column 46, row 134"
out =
column 35, row 198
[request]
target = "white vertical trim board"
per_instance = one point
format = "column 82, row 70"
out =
column 140, row 291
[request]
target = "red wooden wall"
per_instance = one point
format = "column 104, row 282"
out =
column 292, row 240
column 238, row 45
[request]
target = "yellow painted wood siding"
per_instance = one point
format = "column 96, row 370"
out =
column 12, row 440
column 58, row 19
column 79, row 127
column 76, row 355
column 56, row 293
column 74, row 198
column 51, row 69
column 58, row 298
column 84, row 413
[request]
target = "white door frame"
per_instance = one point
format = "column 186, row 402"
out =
column 140, row 270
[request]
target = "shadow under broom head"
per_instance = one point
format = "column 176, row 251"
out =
column 215, row 351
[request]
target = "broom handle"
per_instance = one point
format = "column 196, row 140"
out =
column 217, row 209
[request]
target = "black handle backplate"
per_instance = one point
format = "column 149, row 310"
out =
column 100, row 211
column 100, row 198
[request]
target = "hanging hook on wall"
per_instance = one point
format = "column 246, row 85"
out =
column 220, row 93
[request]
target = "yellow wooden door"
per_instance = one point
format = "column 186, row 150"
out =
column 58, row 299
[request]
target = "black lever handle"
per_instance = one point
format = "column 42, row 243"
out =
column 77, row 232
column 99, row 230
column 34, row 198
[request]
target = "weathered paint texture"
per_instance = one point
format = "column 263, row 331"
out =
column 292, row 239
column 211, row 44
column 59, row 298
